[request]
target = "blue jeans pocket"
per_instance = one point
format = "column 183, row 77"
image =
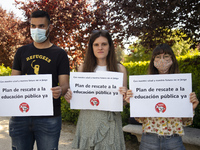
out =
column 18, row 126
column 151, row 141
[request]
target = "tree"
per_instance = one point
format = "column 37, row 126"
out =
column 10, row 36
column 119, row 54
column 181, row 45
column 73, row 22
column 137, row 53
column 147, row 19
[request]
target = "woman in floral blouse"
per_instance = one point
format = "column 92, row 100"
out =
column 158, row 132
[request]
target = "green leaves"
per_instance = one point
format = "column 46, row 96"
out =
column 147, row 19
column 5, row 71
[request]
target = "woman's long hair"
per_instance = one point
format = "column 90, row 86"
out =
column 90, row 62
column 166, row 49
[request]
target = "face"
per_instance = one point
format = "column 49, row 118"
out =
column 163, row 62
column 166, row 57
column 41, row 23
column 101, row 48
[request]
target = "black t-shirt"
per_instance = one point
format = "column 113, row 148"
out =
column 54, row 60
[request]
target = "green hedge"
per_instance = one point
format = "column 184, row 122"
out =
column 192, row 65
column 70, row 115
column 4, row 71
column 189, row 63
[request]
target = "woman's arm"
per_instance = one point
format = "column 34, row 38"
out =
column 123, row 89
column 195, row 102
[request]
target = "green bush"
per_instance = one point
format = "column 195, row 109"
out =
column 187, row 64
column 5, row 71
column 70, row 115
column 191, row 64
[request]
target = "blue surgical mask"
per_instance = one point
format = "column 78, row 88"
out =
column 39, row 35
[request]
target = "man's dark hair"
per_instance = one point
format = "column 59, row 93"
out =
column 40, row 13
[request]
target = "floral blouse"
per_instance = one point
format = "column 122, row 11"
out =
column 164, row 126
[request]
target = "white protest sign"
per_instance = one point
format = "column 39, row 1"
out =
column 161, row 95
column 97, row 91
column 26, row 95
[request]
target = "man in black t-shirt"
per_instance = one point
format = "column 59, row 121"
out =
column 40, row 57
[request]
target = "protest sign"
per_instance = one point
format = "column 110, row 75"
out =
column 26, row 95
column 97, row 91
column 161, row 95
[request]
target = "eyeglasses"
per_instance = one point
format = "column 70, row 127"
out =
column 96, row 31
column 165, row 57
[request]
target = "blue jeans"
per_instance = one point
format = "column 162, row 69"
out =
column 152, row 141
column 24, row 131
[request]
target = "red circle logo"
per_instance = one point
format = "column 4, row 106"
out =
column 160, row 107
column 94, row 101
column 24, row 107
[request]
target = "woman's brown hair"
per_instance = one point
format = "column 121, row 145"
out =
column 90, row 61
column 166, row 49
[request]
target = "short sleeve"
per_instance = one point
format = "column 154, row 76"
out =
column 63, row 65
column 17, row 60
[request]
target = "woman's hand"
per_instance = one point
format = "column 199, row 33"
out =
column 194, row 100
column 68, row 96
column 129, row 94
column 122, row 91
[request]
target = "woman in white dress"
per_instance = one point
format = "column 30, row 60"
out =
column 100, row 130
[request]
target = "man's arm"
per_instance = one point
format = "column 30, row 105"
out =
column 15, row 72
column 62, row 88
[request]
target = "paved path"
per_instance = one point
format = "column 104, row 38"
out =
column 66, row 137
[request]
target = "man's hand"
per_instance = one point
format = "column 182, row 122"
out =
column 56, row 91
